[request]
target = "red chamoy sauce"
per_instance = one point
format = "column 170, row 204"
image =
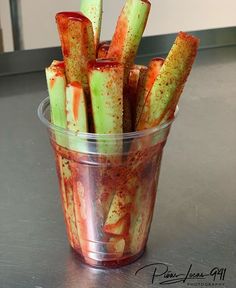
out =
column 62, row 19
column 101, row 64
column 77, row 16
column 76, row 98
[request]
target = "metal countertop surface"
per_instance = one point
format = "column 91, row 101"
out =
column 194, row 220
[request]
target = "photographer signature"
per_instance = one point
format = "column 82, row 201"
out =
column 166, row 276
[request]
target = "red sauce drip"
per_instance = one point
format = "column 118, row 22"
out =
column 102, row 63
column 75, row 84
column 51, row 83
column 76, row 97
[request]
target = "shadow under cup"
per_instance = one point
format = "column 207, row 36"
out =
column 108, row 187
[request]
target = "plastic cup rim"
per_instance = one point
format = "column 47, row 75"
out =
column 87, row 135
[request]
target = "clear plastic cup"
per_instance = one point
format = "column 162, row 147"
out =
column 108, row 186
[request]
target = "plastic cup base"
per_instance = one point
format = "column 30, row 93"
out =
column 108, row 263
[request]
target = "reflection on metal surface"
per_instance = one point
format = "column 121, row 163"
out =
column 36, row 60
column 16, row 24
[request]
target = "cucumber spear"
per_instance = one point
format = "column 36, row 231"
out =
column 137, row 77
column 106, row 87
column 76, row 108
column 128, row 33
column 56, row 81
column 136, row 72
column 77, row 40
column 154, row 68
column 93, row 10
column 76, row 115
column 170, row 82
column 125, row 42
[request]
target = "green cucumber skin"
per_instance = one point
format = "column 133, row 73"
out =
column 170, row 81
column 77, row 40
column 80, row 124
column 93, row 10
column 148, row 80
column 107, row 103
column 76, row 116
column 56, row 82
column 128, row 33
column 57, row 97
column 106, row 88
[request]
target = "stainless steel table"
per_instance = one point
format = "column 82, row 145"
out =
column 195, row 214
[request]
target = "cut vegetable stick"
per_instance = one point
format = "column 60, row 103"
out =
column 133, row 80
column 105, row 78
column 56, row 83
column 144, row 198
column 143, row 206
column 127, row 114
column 76, row 108
column 67, row 201
column 85, row 215
column 170, row 81
column 77, row 122
column 102, row 49
column 118, row 218
column 85, row 198
column 154, row 68
column 67, row 193
column 76, row 115
column 128, row 33
column 116, row 245
column 171, row 110
column 137, row 77
column 77, row 40
column 106, row 86
column 93, row 10
column 117, row 225
column 135, row 72
column 105, row 195
column 125, row 42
